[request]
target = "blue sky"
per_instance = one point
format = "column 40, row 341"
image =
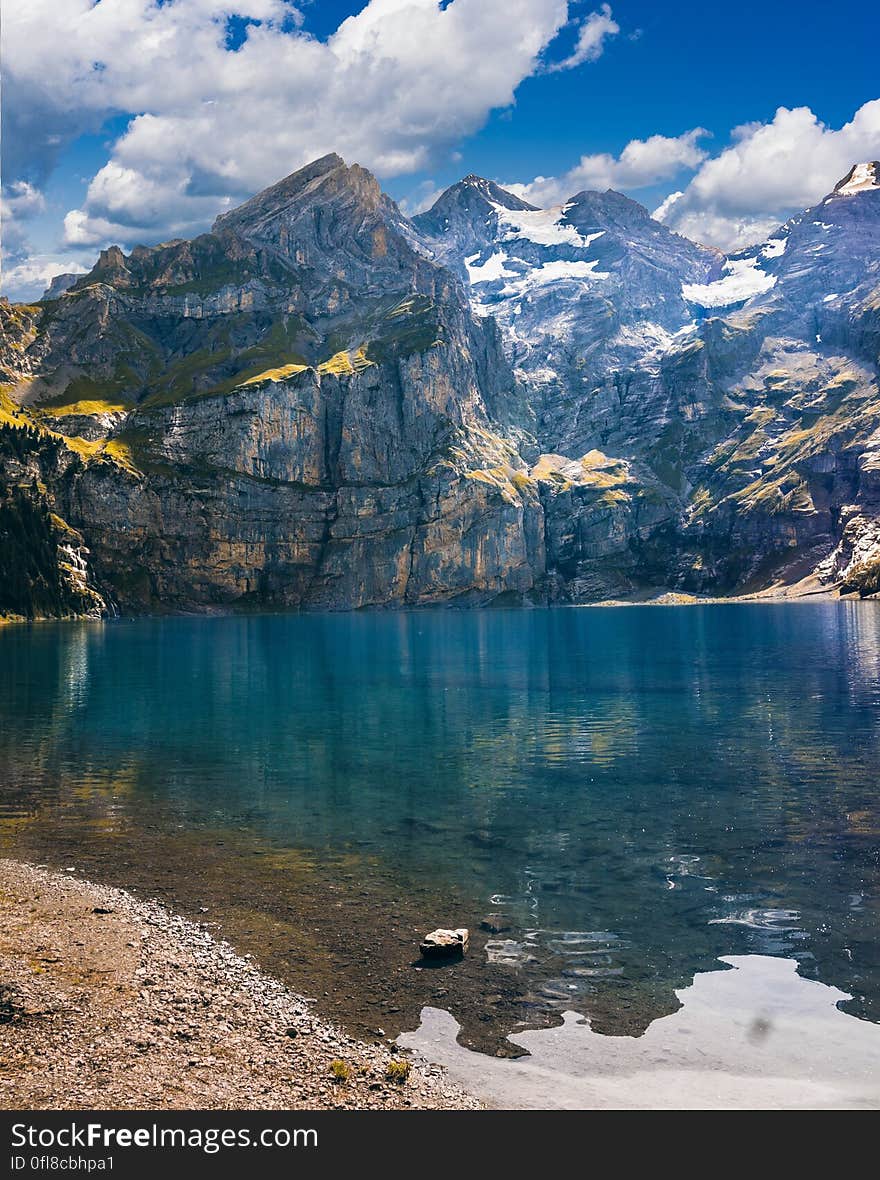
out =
column 138, row 120
column 680, row 65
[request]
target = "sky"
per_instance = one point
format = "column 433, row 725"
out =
column 136, row 121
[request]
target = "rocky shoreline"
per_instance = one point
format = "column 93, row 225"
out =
column 111, row 1002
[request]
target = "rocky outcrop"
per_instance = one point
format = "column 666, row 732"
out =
column 44, row 562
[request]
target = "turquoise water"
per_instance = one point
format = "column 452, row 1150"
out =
column 634, row 791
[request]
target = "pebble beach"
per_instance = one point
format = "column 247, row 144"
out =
column 111, row 1002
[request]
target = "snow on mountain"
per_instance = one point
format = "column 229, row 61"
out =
column 774, row 248
column 730, row 401
column 743, row 278
column 488, row 271
column 553, row 272
column 544, row 227
column 859, row 179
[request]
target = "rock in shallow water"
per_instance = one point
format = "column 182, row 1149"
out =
column 444, row 944
column 495, row 924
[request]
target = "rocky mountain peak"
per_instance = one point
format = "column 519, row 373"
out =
column 60, row 284
column 860, row 178
column 331, row 218
column 324, row 181
column 466, row 206
column 476, row 191
column 478, row 186
column 111, row 257
column 610, row 209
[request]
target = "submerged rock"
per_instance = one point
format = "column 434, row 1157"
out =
column 495, row 924
column 445, row 944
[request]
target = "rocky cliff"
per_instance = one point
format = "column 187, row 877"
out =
column 295, row 409
column 705, row 424
column 321, row 403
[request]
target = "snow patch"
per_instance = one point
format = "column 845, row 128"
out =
column 488, row 271
column 554, row 272
column 775, row 248
column 544, row 227
column 862, row 178
column 743, row 280
column 828, row 298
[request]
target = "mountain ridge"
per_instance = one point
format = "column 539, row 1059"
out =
column 324, row 403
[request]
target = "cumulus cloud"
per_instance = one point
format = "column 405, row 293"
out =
column 664, row 208
column 19, row 202
column 22, row 200
column 395, row 87
column 29, row 278
column 770, row 171
column 592, row 33
column 642, row 162
column 226, row 96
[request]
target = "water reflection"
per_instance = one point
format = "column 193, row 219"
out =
column 677, row 783
column 755, row 1036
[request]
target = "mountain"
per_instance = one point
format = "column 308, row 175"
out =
column 464, row 218
column 580, row 290
column 295, row 409
column 788, row 485
column 705, row 423
column 60, row 284
column 322, row 403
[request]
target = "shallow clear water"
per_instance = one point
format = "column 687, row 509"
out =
column 634, row 791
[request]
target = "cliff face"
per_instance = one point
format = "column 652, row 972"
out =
column 323, row 488
column 323, row 404
column 296, row 409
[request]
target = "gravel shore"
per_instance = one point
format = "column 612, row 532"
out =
column 108, row 1002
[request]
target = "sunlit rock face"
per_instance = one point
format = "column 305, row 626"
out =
column 322, row 403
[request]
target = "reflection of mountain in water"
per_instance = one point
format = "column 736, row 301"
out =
column 635, row 792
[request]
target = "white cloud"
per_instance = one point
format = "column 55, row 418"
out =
column 662, row 210
column 29, row 278
column 19, row 202
column 22, row 200
column 590, row 44
column 641, row 163
column 771, row 171
column 395, row 87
